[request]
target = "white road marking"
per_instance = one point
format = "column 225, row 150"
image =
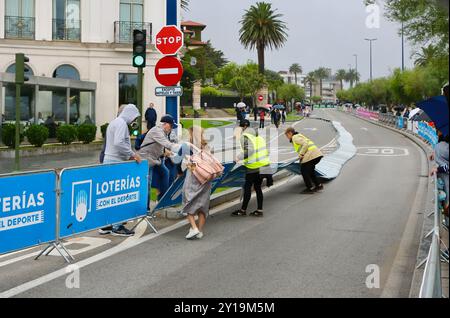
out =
column 117, row 249
column 91, row 242
column 378, row 151
column 365, row 129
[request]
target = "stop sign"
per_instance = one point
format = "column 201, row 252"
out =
column 168, row 71
column 260, row 98
column 169, row 40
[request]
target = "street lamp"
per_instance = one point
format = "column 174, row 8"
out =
column 356, row 65
column 371, row 71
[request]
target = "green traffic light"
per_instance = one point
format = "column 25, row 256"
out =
column 139, row 60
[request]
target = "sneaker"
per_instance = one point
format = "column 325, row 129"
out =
column 239, row 213
column 105, row 230
column 308, row 191
column 319, row 188
column 200, row 235
column 192, row 234
column 257, row 214
column 122, row 231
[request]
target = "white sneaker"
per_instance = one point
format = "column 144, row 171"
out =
column 192, row 233
column 200, row 235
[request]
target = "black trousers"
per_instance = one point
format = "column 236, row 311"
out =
column 261, row 123
column 309, row 173
column 253, row 180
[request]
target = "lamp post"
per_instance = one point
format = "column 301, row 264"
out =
column 356, row 66
column 371, row 69
column 403, row 46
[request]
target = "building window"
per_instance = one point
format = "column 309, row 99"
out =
column 66, row 20
column 132, row 10
column 67, row 72
column 128, row 88
column 12, row 69
column 19, row 19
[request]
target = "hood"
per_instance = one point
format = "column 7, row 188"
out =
column 130, row 113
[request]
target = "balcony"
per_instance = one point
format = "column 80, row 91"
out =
column 123, row 31
column 19, row 28
column 66, row 30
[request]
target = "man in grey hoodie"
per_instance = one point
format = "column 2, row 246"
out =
column 118, row 149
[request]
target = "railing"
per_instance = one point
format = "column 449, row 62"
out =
column 431, row 286
column 123, row 31
column 66, row 30
column 19, row 27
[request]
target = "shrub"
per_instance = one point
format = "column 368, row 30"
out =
column 37, row 135
column 86, row 133
column 103, row 129
column 9, row 135
column 211, row 91
column 66, row 134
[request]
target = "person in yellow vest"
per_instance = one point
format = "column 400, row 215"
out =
column 310, row 155
column 255, row 156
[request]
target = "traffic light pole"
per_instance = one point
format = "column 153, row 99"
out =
column 17, row 137
column 140, row 97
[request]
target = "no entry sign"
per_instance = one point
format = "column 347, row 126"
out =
column 169, row 40
column 168, row 71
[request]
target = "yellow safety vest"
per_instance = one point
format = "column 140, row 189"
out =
column 260, row 157
column 311, row 145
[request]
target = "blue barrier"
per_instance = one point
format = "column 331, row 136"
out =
column 400, row 122
column 27, row 210
column 428, row 133
column 97, row 196
column 173, row 196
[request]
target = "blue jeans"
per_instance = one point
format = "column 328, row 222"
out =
column 149, row 179
column 161, row 179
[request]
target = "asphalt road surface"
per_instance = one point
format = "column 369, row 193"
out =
column 305, row 246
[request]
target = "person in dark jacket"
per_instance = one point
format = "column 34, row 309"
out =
column 150, row 116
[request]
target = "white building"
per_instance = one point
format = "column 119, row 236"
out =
column 289, row 78
column 80, row 56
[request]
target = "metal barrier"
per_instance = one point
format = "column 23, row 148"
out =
column 431, row 286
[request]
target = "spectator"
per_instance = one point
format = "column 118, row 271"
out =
column 118, row 149
column 196, row 196
column 151, row 116
column 442, row 169
column 102, row 152
column 262, row 119
column 283, row 116
column 50, row 123
column 156, row 145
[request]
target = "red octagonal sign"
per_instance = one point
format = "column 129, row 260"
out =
column 169, row 40
column 168, row 71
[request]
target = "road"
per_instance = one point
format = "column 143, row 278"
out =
column 305, row 246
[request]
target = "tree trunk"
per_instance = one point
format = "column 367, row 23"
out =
column 295, row 74
column 321, row 91
column 261, row 61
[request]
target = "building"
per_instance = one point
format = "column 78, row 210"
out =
column 289, row 78
column 330, row 86
column 80, row 56
column 193, row 34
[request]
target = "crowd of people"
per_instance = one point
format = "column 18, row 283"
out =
column 169, row 158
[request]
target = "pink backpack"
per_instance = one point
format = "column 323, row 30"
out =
column 207, row 168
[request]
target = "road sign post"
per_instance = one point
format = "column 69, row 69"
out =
column 172, row 19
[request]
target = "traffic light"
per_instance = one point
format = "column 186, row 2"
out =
column 139, row 48
column 21, row 68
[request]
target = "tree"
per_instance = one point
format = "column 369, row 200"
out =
column 310, row 79
column 261, row 29
column 427, row 55
column 247, row 81
column 320, row 74
column 226, row 74
column 209, row 61
column 341, row 76
column 289, row 92
column 316, row 99
column 296, row 69
column 352, row 76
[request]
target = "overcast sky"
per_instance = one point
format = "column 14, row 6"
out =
column 321, row 33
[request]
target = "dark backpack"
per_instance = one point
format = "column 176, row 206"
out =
column 139, row 141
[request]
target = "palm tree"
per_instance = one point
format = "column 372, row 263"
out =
column 428, row 53
column 352, row 77
column 320, row 74
column 261, row 29
column 310, row 79
column 296, row 69
column 341, row 76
